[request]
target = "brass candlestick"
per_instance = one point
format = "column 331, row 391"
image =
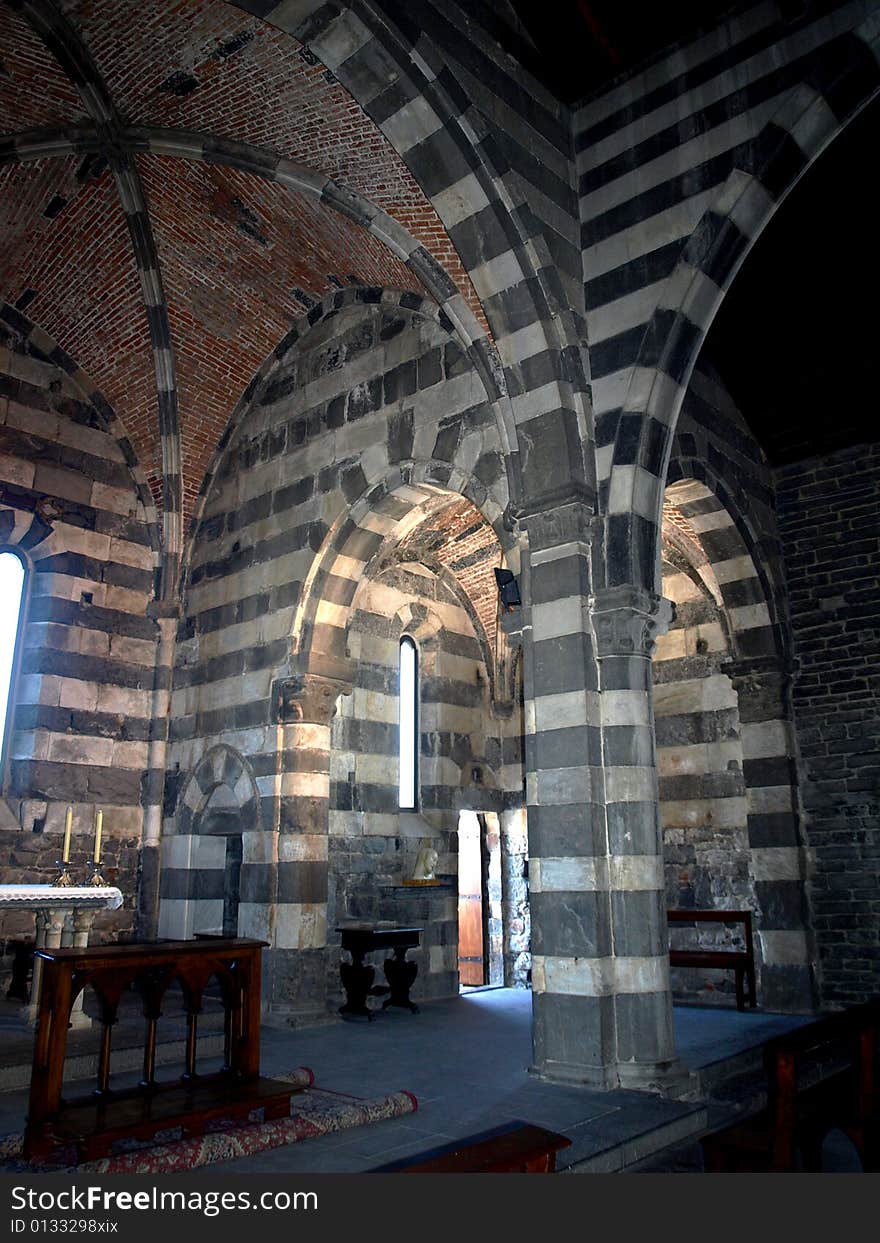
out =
column 63, row 880
column 96, row 878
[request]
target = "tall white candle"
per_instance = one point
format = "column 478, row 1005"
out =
column 98, row 826
column 65, row 853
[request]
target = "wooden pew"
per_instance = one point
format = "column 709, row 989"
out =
column 741, row 962
column 514, row 1148
column 820, row 1077
column 94, row 1122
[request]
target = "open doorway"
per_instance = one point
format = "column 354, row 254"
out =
column 480, row 942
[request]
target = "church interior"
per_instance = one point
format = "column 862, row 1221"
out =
column 439, row 517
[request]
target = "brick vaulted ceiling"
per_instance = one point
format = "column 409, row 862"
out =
column 169, row 280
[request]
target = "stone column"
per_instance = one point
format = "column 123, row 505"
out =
column 600, row 968
column 49, row 929
column 779, row 861
column 626, row 621
column 572, row 949
column 77, row 926
column 167, row 616
column 515, row 896
column 305, row 705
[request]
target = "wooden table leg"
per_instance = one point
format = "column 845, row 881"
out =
column 400, row 975
column 357, row 980
column 47, row 1075
column 192, row 1032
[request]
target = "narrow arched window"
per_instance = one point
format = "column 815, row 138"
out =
column 408, row 709
column 12, row 579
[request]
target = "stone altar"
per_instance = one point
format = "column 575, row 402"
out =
column 63, row 917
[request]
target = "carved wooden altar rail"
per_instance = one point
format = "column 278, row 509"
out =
column 93, row 1123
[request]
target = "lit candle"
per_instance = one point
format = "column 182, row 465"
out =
column 98, row 825
column 65, row 853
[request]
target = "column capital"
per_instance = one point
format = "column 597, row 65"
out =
column 627, row 620
column 756, row 671
column 569, row 522
column 762, row 685
column 165, row 610
column 515, row 624
column 307, row 697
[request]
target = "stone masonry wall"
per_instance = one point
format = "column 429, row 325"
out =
column 700, row 768
column 370, row 384
column 80, row 721
column 373, row 845
column 829, row 514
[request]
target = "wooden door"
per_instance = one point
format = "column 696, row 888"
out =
column 471, row 955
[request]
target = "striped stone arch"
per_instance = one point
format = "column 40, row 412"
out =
column 194, row 885
column 221, row 766
column 759, row 676
column 418, row 621
column 22, row 529
column 45, row 348
column 388, row 299
column 409, row 618
column 805, row 123
column 368, row 52
column 389, row 508
column 744, row 586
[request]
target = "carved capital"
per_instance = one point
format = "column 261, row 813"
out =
column 165, row 610
column 514, row 624
column 627, row 620
column 761, row 680
column 307, row 697
column 563, row 524
column 757, row 670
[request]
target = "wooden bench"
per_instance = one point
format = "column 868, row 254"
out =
column 514, row 1148
column 741, row 962
column 820, row 1077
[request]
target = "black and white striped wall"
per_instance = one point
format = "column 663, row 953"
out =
column 679, row 168
column 373, row 847
column 369, row 413
column 491, row 148
column 74, row 507
column 720, row 484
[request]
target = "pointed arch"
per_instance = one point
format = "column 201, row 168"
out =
column 804, row 125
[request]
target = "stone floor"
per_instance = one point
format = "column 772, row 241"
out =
column 466, row 1059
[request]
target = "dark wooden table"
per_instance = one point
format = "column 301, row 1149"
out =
column 357, row 976
column 91, row 1124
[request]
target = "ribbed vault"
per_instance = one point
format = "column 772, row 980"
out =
column 157, row 253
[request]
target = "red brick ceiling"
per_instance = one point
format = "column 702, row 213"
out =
column 33, row 90
column 236, row 252
column 72, row 271
column 459, row 538
column 678, row 531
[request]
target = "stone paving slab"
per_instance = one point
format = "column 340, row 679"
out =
column 467, row 1061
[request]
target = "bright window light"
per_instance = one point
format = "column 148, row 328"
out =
column 409, row 723
column 11, row 586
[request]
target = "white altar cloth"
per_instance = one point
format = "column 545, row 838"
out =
column 63, row 917
column 46, row 897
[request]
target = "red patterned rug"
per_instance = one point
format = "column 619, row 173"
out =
column 313, row 1112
